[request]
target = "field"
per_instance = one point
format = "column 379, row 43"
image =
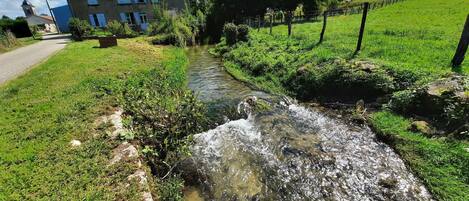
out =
column 411, row 36
column 412, row 40
column 58, row 101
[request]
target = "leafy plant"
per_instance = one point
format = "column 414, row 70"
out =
column 79, row 29
column 163, row 116
column 119, row 29
column 243, row 32
column 230, row 31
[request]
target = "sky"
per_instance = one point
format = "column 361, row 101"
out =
column 12, row 8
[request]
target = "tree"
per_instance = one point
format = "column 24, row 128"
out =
column 4, row 17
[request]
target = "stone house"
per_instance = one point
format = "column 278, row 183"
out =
column 137, row 13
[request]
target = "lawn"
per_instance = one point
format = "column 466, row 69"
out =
column 21, row 43
column 43, row 110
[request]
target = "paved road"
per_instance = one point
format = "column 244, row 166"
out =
column 17, row 62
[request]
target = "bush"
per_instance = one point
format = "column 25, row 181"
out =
column 120, row 29
column 115, row 28
column 231, row 33
column 18, row 27
column 174, row 30
column 79, row 29
column 163, row 116
column 243, row 32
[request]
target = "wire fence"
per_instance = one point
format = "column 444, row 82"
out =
column 280, row 17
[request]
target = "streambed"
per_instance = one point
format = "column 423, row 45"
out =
column 291, row 152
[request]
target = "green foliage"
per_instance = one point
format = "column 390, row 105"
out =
column 230, row 31
column 19, row 27
column 243, row 33
column 174, row 29
column 171, row 189
column 163, row 116
column 442, row 164
column 403, row 102
column 119, row 29
column 79, row 29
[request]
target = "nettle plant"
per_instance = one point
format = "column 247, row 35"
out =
column 162, row 117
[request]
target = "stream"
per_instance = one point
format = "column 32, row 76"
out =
column 291, row 152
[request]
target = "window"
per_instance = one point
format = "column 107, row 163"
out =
column 143, row 18
column 140, row 1
column 98, row 20
column 124, row 1
column 128, row 17
column 93, row 2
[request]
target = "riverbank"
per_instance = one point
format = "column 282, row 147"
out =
column 51, row 146
column 407, row 49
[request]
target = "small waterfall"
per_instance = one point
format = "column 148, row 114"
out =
column 290, row 152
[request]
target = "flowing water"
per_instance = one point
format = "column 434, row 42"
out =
column 290, row 152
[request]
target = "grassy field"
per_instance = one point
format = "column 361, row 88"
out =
column 413, row 39
column 411, row 35
column 43, row 110
column 21, row 43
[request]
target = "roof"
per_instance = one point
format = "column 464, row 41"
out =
column 46, row 17
column 36, row 20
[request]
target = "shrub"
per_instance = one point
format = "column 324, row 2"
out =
column 163, row 116
column 231, row 33
column 175, row 30
column 243, row 32
column 120, row 29
column 403, row 101
column 171, row 189
column 79, row 28
column 18, row 27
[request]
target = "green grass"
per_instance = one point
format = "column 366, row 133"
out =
column 442, row 164
column 411, row 35
column 43, row 110
column 21, row 43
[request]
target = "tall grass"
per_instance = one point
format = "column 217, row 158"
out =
column 7, row 40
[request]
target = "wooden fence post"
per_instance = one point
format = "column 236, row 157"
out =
column 289, row 21
column 258, row 23
column 271, row 23
column 362, row 27
column 324, row 24
column 462, row 46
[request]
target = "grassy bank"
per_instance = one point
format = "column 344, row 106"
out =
column 43, row 110
column 442, row 163
column 409, row 36
column 410, row 43
column 21, row 42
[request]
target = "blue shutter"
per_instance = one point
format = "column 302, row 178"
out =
column 92, row 21
column 123, row 17
column 137, row 17
column 101, row 20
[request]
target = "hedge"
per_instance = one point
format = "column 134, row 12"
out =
column 19, row 27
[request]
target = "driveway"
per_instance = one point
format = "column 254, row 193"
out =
column 17, row 62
